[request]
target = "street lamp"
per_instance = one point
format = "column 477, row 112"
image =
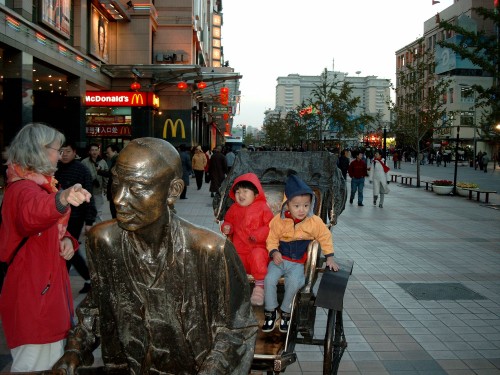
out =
column 456, row 162
column 385, row 142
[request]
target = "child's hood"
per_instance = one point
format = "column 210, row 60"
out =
column 250, row 177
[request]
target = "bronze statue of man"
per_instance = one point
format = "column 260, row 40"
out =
column 167, row 297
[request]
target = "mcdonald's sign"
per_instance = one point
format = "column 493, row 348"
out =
column 121, row 99
column 173, row 128
column 137, row 99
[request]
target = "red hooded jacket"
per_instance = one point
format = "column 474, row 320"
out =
column 33, row 312
column 250, row 221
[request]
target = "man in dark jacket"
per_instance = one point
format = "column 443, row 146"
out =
column 217, row 170
column 167, row 297
column 343, row 163
column 71, row 171
column 358, row 171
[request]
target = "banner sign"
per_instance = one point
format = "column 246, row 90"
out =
column 105, row 120
column 174, row 126
column 108, row 131
column 121, row 99
column 221, row 109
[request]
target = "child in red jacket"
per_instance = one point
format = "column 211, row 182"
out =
column 247, row 221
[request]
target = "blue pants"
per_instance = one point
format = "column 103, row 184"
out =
column 357, row 184
column 294, row 280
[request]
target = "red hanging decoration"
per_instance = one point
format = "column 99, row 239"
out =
column 135, row 86
column 224, row 96
column 225, row 116
column 182, row 85
column 201, row 85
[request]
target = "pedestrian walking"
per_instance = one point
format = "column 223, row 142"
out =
column 186, row 168
column 357, row 171
column 380, row 178
column 217, row 170
column 96, row 164
column 485, row 160
column 199, row 163
column 343, row 163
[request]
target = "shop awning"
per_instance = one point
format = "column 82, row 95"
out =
column 162, row 76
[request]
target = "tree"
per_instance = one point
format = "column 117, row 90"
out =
column 420, row 109
column 482, row 49
column 335, row 108
column 275, row 130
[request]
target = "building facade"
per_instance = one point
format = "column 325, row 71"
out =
column 295, row 89
column 460, row 99
column 107, row 71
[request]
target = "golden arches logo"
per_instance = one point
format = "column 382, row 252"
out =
column 173, row 128
column 137, row 99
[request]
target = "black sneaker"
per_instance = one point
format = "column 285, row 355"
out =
column 269, row 321
column 351, row 200
column 86, row 288
column 285, row 320
column 360, row 204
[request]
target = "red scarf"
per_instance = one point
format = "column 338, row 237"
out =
column 386, row 168
column 48, row 183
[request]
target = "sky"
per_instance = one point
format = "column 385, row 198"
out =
column 267, row 39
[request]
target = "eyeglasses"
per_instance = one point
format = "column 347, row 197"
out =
column 59, row 150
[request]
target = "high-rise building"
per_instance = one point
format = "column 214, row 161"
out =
column 294, row 90
column 460, row 98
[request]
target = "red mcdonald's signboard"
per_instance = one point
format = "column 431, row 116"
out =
column 121, row 99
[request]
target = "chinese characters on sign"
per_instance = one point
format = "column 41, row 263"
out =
column 108, row 131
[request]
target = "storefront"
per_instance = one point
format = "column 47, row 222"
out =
column 117, row 117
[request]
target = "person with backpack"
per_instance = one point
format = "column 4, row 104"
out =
column 36, row 305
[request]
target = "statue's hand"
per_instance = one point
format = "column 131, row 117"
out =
column 69, row 362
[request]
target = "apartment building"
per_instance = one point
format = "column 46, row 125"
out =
column 459, row 99
column 295, row 89
column 111, row 70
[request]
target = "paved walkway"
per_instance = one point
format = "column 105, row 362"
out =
column 443, row 245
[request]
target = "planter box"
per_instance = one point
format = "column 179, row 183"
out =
column 442, row 190
column 462, row 192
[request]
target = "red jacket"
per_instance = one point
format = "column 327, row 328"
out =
column 250, row 221
column 32, row 312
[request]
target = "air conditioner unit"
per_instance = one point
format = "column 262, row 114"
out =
column 159, row 57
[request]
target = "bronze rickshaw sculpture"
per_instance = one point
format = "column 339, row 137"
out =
column 275, row 351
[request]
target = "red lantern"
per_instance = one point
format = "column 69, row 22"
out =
column 182, row 85
column 225, row 116
column 224, row 96
column 228, row 129
column 201, row 85
column 135, row 86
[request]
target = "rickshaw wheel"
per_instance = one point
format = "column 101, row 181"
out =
column 335, row 343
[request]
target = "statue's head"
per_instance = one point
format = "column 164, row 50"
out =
column 146, row 180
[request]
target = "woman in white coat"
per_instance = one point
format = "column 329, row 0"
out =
column 380, row 179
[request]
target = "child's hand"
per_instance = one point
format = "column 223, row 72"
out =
column 330, row 263
column 277, row 258
column 226, row 228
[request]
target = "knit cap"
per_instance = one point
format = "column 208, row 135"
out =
column 294, row 186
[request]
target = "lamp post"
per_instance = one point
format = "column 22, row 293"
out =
column 385, row 142
column 456, row 162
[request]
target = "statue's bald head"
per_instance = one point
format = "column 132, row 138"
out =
column 152, row 156
column 146, row 179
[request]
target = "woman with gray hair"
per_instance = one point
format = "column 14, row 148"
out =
column 36, row 305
